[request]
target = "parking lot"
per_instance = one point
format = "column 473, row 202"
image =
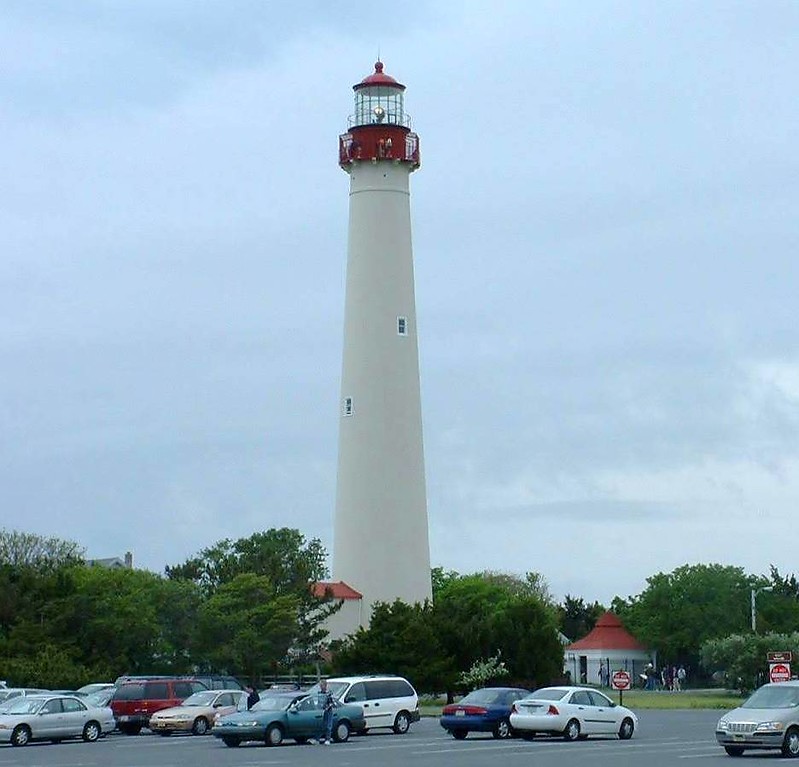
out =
column 664, row 738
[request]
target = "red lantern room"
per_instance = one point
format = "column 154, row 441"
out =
column 379, row 129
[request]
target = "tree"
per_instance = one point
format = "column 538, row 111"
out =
column 742, row 657
column 576, row 618
column 402, row 638
column 283, row 556
column 246, row 625
column 18, row 550
column 679, row 611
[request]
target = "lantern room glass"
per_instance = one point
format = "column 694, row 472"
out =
column 376, row 105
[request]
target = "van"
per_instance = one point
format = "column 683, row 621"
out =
column 134, row 702
column 387, row 701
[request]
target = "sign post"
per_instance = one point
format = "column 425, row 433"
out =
column 621, row 681
column 779, row 666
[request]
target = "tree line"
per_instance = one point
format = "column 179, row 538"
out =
column 245, row 607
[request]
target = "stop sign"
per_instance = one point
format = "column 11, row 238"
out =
column 620, row 680
column 779, row 672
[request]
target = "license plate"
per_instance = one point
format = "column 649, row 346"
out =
column 738, row 736
column 460, row 712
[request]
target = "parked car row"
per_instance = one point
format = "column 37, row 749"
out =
column 570, row 712
column 179, row 704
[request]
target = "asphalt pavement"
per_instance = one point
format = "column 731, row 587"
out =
column 664, row 739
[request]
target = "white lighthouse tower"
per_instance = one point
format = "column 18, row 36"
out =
column 380, row 542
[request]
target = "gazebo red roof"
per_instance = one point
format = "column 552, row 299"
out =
column 608, row 634
column 337, row 590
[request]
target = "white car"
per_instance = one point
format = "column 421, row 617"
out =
column 53, row 717
column 572, row 712
column 387, row 701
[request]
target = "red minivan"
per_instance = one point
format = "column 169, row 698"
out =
column 134, row 702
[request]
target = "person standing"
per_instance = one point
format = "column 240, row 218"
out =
column 252, row 697
column 327, row 703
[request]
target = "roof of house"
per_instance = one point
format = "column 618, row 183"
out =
column 337, row 590
column 608, row 634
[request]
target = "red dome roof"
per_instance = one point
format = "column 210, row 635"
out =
column 608, row 634
column 379, row 78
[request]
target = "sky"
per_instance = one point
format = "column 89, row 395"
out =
column 606, row 230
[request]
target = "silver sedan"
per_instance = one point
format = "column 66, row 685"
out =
column 768, row 719
column 571, row 712
column 54, row 718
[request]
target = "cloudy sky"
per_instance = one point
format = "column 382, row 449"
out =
column 606, row 232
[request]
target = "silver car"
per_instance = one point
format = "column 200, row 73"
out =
column 768, row 719
column 53, row 717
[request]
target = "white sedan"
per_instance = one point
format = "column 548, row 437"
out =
column 572, row 712
column 53, row 717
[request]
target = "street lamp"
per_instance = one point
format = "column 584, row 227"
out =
column 753, row 594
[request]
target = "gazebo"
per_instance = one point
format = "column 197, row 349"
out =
column 608, row 647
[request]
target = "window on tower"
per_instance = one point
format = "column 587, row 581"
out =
column 402, row 326
column 346, row 406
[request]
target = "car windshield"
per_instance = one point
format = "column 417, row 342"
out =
column 481, row 696
column 24, row 705
column 776, row 696
column 337, row 688
column 549, row 693
column 273, row 703
column 205, row 698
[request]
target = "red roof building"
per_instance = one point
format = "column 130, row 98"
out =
column 608, row 634
column 608, row 647
column 336, row 590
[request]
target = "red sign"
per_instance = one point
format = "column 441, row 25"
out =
column 620, row 680
column 779, row 657
column 779, row 672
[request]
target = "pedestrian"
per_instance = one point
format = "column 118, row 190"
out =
column 252, row 697
column 327, row 703
column 679, row 680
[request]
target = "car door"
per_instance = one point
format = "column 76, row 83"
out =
column 305, row 718
column 376, row 707
column 49, row 721
column 75, row 716
column 581, row 708
column 604, row 713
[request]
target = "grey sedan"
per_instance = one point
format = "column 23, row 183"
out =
column 54, row 718
column 768, row 719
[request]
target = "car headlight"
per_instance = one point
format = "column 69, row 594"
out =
column 770, row 727
column 723, row 724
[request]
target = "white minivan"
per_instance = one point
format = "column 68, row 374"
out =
column 387, row 701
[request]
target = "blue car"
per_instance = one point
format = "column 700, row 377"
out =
column 484, row 710
column 279, row 716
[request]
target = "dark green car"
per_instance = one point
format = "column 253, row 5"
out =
column 294, row 716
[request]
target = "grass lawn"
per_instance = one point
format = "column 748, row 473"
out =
column 637, row 700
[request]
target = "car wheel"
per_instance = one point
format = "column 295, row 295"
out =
column 231, row 742
column 21, row 736
column 526, row 734
column 91, row 732
column 502, row 729
column 273, row 735
column 402, row 723
column 626, row 729
column 341, row 732
column 734, row 750
column 572, row 730
column 200, row 726
column 460, row 734
column 790, row 746
column 130, row 729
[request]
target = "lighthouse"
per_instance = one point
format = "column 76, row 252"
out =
column 380, row 544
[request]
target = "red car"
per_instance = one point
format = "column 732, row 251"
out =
column 134, row 702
